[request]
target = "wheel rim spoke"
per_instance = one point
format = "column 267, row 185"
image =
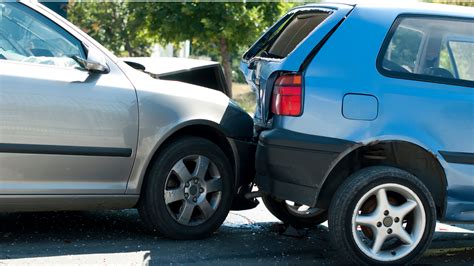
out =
column 367, row 220
column 382, row 200
column 206, row 208
column 301, row 210
column 186, row 213
column 181, row 171
column 202, row 164
column 173, row 195
column 378, row 242
column 297, row 205
column 405, row 208
column 187, row 189
column 214, row 185
column 403, row 235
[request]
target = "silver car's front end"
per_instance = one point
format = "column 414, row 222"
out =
column 75, row 139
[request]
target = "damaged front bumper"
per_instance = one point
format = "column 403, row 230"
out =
column 244, row 153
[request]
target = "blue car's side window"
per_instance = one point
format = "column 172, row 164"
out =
column 462, row 54
column 404, row 49
column 432, row 49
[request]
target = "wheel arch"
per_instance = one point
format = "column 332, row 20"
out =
column 196, row 128
column 402, row 154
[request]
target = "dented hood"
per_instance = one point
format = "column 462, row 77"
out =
column 203, row 73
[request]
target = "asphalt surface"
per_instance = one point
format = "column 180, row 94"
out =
column 249, row 237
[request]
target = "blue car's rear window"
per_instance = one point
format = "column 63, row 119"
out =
column 295, row 31
column 280, row 40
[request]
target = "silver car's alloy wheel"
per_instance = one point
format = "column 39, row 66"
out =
column 388, row 222
column 193, row 190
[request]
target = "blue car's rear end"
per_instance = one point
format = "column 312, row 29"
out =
column 330, row 104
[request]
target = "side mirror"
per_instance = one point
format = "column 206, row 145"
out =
column 95, row 62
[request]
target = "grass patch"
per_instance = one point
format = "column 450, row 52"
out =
column 244, row 97
column 246, row 101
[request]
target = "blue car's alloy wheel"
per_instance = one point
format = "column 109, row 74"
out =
column 397, row 220
column 297, row 215
column 382, row 215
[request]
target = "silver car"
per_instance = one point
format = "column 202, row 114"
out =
column 82, row 130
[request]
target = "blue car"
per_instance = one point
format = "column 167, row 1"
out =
column 365, row 117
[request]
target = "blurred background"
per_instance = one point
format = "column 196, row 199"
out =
column 218, row 31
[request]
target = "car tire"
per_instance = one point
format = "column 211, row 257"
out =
column 382, row 215
column 288, row 214
column 188, row 191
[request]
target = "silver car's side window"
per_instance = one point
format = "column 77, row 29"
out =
column 29, row 37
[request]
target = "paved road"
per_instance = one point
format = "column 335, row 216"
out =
column 116, row 237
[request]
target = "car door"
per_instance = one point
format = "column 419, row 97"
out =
column 430, row 62
column 63, row 130
column 285, row 47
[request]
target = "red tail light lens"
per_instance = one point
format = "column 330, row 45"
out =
column 287, row 95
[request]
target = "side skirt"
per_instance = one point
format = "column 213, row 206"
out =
column 35, row 203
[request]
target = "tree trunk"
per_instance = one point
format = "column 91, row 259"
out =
column 226, row 62
column 129, row 49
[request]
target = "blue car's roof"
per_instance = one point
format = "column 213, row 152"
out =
column 402, row 6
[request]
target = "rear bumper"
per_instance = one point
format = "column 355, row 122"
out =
column 293, row 166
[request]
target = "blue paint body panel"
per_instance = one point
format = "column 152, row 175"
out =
column 347, row 98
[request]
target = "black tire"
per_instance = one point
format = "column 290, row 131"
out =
column 281, row 211
column 354, row 188
column 152, row 207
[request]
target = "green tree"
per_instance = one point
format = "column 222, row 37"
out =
column 221, row 29
column 114, row 24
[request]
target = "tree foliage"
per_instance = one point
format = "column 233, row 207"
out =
column 221, row 29
column 114, row 24
column 208, row 24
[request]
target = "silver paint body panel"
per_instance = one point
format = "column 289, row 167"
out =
column 25, row 203
column 70, row 108
column 165, row 107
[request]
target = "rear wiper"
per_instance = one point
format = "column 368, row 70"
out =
column 269, row 55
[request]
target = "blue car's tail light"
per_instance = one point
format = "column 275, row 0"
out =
column 287, row 95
